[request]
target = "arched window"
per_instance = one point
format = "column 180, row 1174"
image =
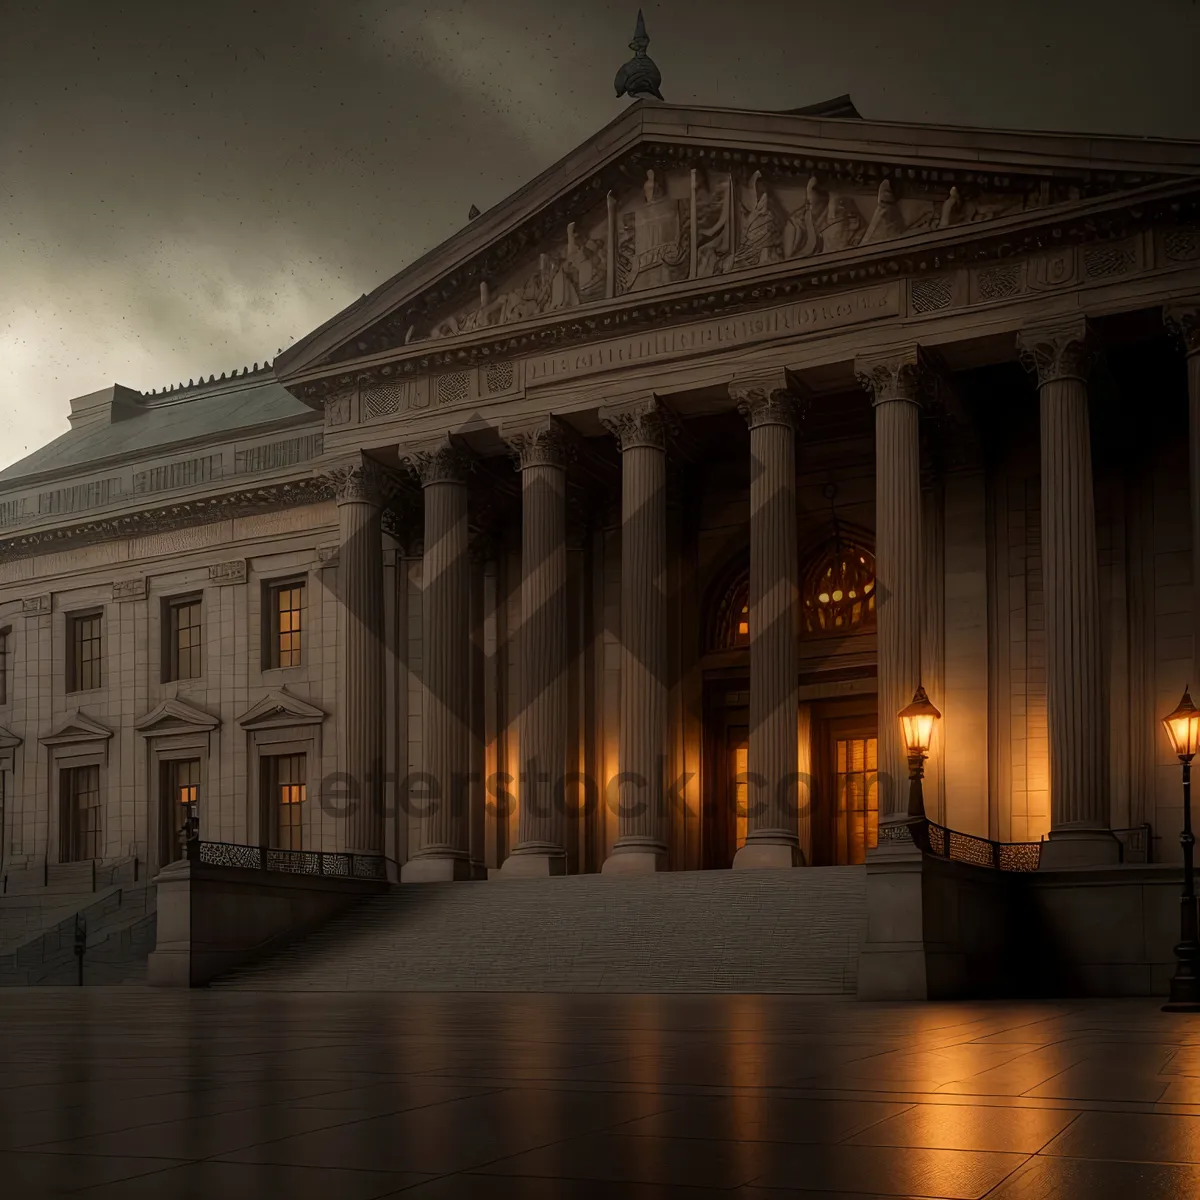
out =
column 731, row 625
column 837, row 596
column 837, row 591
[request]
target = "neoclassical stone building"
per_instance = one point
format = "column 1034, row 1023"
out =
column 674, row 474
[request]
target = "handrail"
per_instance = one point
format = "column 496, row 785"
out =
column 977, row 851
column 327, row 863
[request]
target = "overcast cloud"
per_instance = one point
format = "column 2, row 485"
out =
column 186, row 188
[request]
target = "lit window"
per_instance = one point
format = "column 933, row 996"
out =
column 857, row 791
column 182, row 804
column 289, row 795
column 84, row 663
column 741, row 788
column 287, row 616
column 732, row 627
column 839, row 591
column 185, row 644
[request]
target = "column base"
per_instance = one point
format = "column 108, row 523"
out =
column 1067, row 848
column 435, row 870
column 640, row 858
column 767, row 855
column 533, row 864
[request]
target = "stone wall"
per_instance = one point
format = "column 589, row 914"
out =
column 228, row 564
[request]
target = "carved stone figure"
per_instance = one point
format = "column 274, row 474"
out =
column 761, row 239
column 654, row 242
column 842, row 227
column 887, row 221
column 952, row 210
column 577, row 275
column 713, row 205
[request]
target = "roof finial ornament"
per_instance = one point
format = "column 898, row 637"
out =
column 639, row 77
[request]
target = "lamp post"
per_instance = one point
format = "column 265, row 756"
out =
column 1183, row 728
column 917, row 721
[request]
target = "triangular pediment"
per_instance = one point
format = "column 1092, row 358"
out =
column 670, row 202
column 280, row 707
column 73, row 728
column 8, row 740
column 175, row 716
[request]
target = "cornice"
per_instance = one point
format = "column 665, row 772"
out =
column 1106, row 218
column 162, row 518
column 140, row 460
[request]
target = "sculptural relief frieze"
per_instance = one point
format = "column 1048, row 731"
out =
column 998, row 263
column 682, row 223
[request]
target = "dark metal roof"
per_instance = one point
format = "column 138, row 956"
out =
column 839, row 106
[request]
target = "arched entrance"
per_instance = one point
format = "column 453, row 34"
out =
column 836, row 715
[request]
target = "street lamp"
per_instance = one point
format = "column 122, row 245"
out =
column 1183, row 728
column 917, row 721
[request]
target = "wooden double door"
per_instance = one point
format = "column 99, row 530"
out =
column 843, row 813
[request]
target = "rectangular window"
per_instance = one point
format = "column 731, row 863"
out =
column 84, row 654
column 857, row 797
column 287, row 791
column 79, row 790
column 4, row 666
column 184, row 643
column 181, row 805
column 287, row 617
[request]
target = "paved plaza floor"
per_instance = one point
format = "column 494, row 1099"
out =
column 125, row 1094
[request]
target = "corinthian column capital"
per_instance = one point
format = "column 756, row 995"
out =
column 543, row 442
column 359, row 480
column 1063, row 350
column 646, row 422
column 443, row 461
column 903, row 375
column 1183, row 321
column 768, row 399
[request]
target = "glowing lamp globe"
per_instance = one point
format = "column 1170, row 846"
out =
column 1183, row 728
column 917, row 721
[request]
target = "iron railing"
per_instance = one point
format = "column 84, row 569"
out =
column 332, row 864
column 966, row 847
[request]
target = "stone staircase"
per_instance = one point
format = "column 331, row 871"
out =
column 699, row 931
column 39, row 908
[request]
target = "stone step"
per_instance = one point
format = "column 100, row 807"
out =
column 778, row 931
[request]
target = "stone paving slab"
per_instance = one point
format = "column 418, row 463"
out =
column 129, row 1092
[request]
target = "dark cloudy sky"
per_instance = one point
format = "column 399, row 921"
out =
column 186, row 187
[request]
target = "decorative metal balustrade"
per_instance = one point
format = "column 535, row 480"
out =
column 965, row 847
column 332, row 864
column 1135, row 846
column 979, row 852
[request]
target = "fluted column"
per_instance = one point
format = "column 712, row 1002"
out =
column 772, row 837
column 360, row 651
column 440, row 797
column 1183, row 319
column 541, row 452
column 1062, row 355
column 896, row 383
column 641, row 427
